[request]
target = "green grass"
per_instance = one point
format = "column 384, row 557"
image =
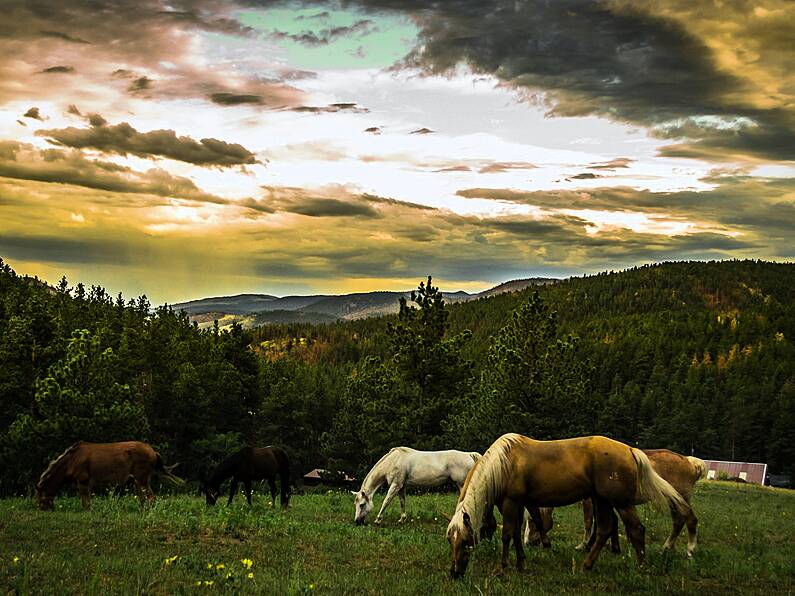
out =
column 747, row 545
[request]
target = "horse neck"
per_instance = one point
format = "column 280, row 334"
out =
column 56, row 478
column 224, row 470
column 375, row 478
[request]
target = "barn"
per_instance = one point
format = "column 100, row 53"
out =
column 746, row 471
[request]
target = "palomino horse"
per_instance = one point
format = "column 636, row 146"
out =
column 517, row 473
column 247, row 465
column 681, row 472
column 404, row 466
column 103, row 464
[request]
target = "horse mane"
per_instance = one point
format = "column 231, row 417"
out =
column 57, row 464
column 484, row 484
column 700, row 467
column 378, row 464
column 227, row 467
column 474, row 455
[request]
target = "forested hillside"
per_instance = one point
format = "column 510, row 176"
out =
column 692, row 356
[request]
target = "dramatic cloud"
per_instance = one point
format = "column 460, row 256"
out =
column 651, row 63
column 25, row 162
column 34, row 114
column 123, row 139
column 327, row 36
column 332, row 109
column 58, row 70
column 235, row 99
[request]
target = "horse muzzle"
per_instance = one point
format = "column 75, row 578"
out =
column 359, row 522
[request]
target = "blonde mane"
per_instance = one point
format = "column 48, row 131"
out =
column 56, row 464
column 484, row 485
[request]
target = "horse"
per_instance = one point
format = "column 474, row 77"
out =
column 247, row 465
column 517, row 472
column 404, row 466
column 93, row 465
column 680, row 471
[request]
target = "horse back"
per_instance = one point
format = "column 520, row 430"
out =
column 675, row 469
column 112, row 463
column 562, row 472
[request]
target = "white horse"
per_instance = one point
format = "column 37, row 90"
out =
column 404, row 466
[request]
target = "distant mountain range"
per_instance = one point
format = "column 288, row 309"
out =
column 251, row 310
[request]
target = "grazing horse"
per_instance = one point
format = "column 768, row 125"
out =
column 247, row 465
column 517, row 473
column 404, row 466
column 103, row 464
column 681, row 472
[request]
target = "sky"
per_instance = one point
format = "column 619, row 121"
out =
column 198, row 148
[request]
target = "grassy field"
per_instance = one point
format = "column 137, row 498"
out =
column 747, row 545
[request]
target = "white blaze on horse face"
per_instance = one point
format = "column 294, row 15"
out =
column 362, row 505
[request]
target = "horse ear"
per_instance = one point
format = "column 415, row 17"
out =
column 354, row 493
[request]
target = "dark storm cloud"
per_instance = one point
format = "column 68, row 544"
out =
column 327, row 36
column 123, row 139
column 25, row 162
column 34, row 114
column 332, row 109
column 236, row 99
column 646, row 63
column 58, row 70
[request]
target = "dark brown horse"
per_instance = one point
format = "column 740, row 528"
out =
column 517, row 473
column 248, row 465
column 93, row 465
column 682, row 472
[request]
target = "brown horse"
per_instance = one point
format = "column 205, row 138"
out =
column 517, row 473
column 681, row 472
column 93, row 465
column 247, row 465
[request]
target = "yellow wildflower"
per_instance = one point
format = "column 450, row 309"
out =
column 208, row 582
column 251, row 575
column 16, row 560
column 170, row 560
column 220, row 566
column 247, row 563
column 228, row 574
column 209, row 565
column 198, row 583
column 311, row 586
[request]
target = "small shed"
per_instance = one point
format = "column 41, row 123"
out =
column 745, row 471
column 318, row 476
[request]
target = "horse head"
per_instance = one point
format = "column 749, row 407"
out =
column 362, row 505
column 462, row 540
column 44, row 499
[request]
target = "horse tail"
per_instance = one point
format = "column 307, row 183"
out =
column 165, row 471
column 654, row 489
column 699, row 466
column 284, row 474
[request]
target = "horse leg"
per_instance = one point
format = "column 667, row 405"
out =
column 604, row 522
column 692, row 538
column 272, row 485
column 232, row 490
column 587, row 514
column 540, row 524
column 150, row 494
column 390, row 494
column 85, row 494
column 615, row 546
column 402, row 497
column 635, row 531
column 512, row 516
column 531, row 535
column 140, row 492
column 677, row 523
column 247, row 486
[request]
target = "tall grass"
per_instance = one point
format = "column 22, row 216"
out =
column 182, row 546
